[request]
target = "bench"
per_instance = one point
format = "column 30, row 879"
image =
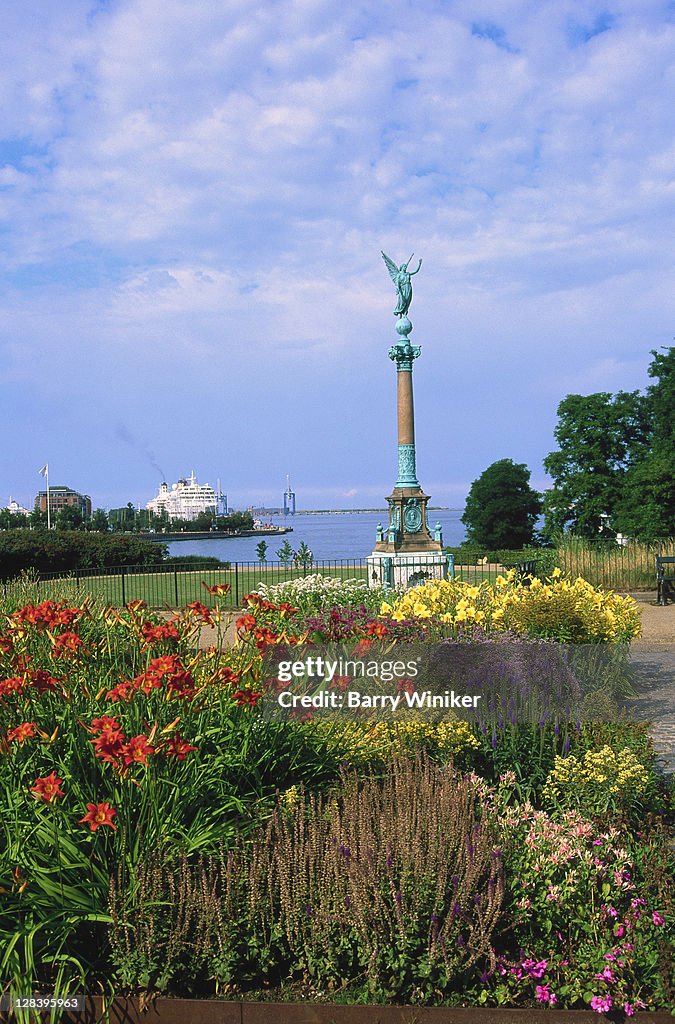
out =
column 524, row 569
column 665, row 577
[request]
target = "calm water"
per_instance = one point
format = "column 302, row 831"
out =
column 333, row 535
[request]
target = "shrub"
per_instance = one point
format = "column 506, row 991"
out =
column 68, row 550
column 569, row 611
column 374, row 744
column 316, row 592
column 337, row 890
column 589, row 925
column 602, row 780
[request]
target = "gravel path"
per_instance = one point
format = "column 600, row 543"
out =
column 653, row 657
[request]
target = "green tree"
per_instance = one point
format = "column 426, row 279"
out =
column 501, row 509
column 285, row 553
column 303, row 556
column 661, row 400
column 600, row 437
column 98, row 522
column 37, row 520
column 12, row 520
column 261, row 550
column 646, row 509
column 69, row 518
column 235, row 521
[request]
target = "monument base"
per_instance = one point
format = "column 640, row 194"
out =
column 408, row 570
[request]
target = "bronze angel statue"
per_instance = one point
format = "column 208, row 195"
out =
column 401, row 278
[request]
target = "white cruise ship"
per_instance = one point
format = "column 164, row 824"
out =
column 187, row 498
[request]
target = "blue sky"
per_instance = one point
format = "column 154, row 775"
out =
column 193, row 200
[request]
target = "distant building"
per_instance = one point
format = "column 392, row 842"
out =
column 16, row 509
column 289, row 499
column 63, row 497
column 187, row 498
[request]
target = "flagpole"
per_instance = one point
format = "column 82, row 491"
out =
column 49, row 519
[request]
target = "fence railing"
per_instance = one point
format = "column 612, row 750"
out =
column 176, row 585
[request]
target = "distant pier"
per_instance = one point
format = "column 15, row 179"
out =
column 214, row 534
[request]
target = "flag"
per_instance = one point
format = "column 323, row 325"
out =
column 44, row 470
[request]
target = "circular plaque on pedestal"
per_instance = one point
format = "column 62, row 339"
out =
column 412, row 517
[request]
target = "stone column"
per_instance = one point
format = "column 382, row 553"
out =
column 404, row 354
column 408, row 530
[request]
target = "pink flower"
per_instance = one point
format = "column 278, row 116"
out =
column 601, row 1004
column 657, row 918
column 628, row 1009
column 544, row 995
column 619, row 931
column 535, row 970
column 606, row 975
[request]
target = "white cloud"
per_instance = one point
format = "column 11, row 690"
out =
column 177, row 172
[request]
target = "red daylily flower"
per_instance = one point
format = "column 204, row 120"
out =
column 180, row 685
column 219, row 589
column 199, row 609
column 99, row 814
column 179, row 748
column 123, row 691
column 21, row 732
column 62, row 616
column 47, row 789
column 106, row 723
column 147, row 682
column 246, row 622
column 361, row 648
column 152, row 634
column 265, row 636
column 376, row 629
column 286, row 609
column 42, row 680
column 109, row 746
column 165, row 664
column 406, row 686
column 11, row 685
column 228, row 676
column 66, row 643
column 137, row 750
column 340, row 683
column 246, row 698
column 47, row 614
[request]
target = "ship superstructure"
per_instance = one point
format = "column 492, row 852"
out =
column 187, row 498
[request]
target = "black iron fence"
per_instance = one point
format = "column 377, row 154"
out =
column 175, row 585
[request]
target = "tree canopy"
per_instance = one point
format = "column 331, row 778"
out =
column 614, row 469
column 501, row 509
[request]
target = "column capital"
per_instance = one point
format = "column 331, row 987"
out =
column 404, row 354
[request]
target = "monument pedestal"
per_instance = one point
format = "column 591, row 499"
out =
column 407, row 554
column 411, row 570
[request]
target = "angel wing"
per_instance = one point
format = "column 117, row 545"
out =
column 391, row 267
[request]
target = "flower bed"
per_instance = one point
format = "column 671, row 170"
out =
column 160, row 834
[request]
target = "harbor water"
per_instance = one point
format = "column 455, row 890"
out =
column 327, row 534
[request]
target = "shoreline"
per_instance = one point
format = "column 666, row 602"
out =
column 161, row 538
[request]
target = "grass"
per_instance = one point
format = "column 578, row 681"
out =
column 618, row 568
column 614, row 568
column 179, row 587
